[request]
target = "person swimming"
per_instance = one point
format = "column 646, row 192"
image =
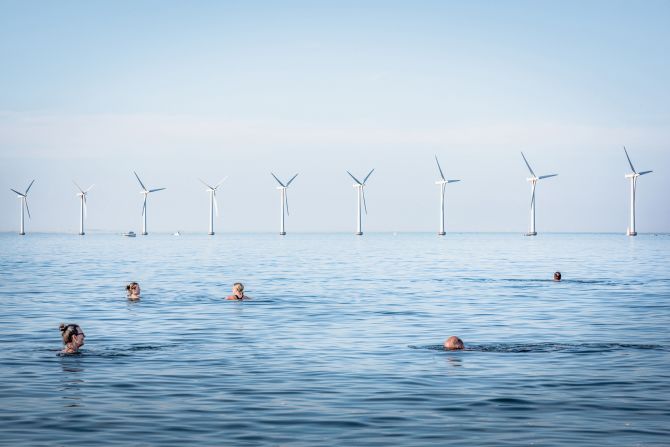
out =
column 238, row 292
column 453, row 343
column 133, row 290
column 73, row 338
column 557, row 276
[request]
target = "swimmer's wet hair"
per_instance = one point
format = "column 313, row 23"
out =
column 130, row 285
column 238, row 286
column 67, row 331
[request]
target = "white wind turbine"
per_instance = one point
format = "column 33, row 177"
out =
column 633, row 185
column 443, row 183
column 283, row 201
column 82, row 197
column 360, row 186
column 533, row 181
column 146, row 192
column 24, row 203
column 213, row 206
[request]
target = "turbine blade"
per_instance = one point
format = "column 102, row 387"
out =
column 221, row 182
column 206, row 184
column 546, row 176
column 629, row 162
column 365, row 205
column 452, row 181
column 89, row 188
column 29, row 186
column 355, row 179
column 157, row 189
column 368, row 176
column 286, row 202
column 644, row 172
column 278, row 181
column 444, row 187
column 19, row 193
column 25, row 201
column 78, row 187
column 292, row 178
column 439, row 168
column 529, row 168
column 216, row 205
column 144, row 207
column 138, row 179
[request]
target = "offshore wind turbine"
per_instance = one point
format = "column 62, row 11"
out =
column 283, row 201
column 360, row 186
column 212, row 203
column 82, row 197
column 633, row 185
column 443, row 184
column 24, row 203
column 533, row 181
column 146, row 193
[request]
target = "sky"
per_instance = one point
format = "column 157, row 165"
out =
column 177, row 91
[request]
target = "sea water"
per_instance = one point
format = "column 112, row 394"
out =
column 341, row 343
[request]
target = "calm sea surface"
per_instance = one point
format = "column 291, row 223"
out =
column 341, row 344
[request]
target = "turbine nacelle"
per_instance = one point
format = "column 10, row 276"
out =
column 444, row 182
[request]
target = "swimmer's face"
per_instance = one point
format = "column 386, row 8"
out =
column 78, row 340
column 135, row 289
column 237, row 292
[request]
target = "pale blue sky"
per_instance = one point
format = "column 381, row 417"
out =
column 179, row 90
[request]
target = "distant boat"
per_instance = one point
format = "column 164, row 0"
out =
column 130, row 234
column 176, row 234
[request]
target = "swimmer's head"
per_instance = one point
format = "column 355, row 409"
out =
column 453, row 343
column 133, row 289
column 557, row 276
column 238, row 289
column 73, row 335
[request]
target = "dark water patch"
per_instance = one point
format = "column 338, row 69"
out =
column 583, row 348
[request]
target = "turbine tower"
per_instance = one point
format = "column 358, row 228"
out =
column 533, row 181
column 146, row 192
column 633, row 185
column 82, row 197
column 212, row 203
column 24, row 203
column 443, row 183
column 361, row 195
column 283, row 201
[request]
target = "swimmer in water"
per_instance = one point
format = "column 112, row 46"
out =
column 557, row 276
column 73, row 338
column 133, row 290
column 238, row 292
column 453, row 343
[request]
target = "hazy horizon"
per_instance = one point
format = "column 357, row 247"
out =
column 206, row 90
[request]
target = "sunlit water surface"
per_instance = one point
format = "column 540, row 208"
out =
column 341, row 344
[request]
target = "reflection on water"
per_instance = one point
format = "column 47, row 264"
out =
column 71, row 380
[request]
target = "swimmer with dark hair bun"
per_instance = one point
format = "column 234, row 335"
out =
column 453, row 343
column 73, row 338
column 557, row 276
column 133, row 290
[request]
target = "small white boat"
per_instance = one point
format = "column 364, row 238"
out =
column 176, row 234
column 130, row 234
